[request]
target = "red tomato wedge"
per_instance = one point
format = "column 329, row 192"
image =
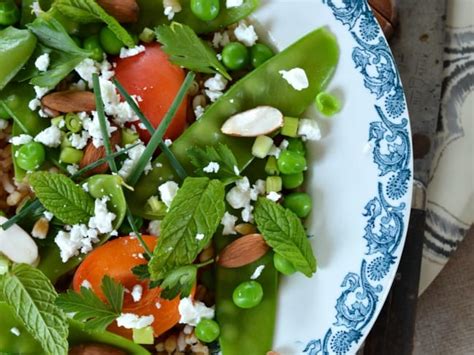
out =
column 151, row 76
column 116, row 259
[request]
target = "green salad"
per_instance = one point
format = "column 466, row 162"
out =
column 153, row 157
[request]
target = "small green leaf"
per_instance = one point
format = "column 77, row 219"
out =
column 61, row 65
column 179, row 282
column 186, row 49
column 284, row 232
column 197, row 209
column 31, row 295
column 61, row 196
column 113, row 291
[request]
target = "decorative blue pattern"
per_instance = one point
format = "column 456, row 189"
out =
column 359, row 300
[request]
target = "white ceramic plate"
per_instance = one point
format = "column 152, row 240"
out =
column 360, row 180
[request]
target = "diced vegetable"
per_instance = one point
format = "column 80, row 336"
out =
column 271, row 167
column 328, row 104
column 262, row 146
column 290, row 126
column 273, row 184
column 143, row 335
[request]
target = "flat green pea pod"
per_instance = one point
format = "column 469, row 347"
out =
column 152, row 14
column 317, row 54
column 246, row 331
column 98, row 186
column 16, row 47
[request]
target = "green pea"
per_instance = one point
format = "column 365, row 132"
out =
column 71, row 155
column 290, row 162
column 92, row 43
column 30, row 156
column 206, row 10
column 283, row 265
column 259, row 54
column 9, row 13
column 292, row 181
column 235, row 56
column 248, row 294
column 207, row 330
column 300, row 203
column 296, row 145
column 109, row 41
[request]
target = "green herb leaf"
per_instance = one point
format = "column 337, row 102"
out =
column 284, row 232
column 87, row 11
column 179, row 282
column 221, row 154
column 61, row 65
column 31, row 295
column 88, row 308
column 196, row 210
column 186, row 49
column 61, row 196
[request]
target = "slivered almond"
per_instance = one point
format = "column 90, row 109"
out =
column 243, row 251
column 256, row 122
column 124, row 11
column 70, row 101
column 92, row 154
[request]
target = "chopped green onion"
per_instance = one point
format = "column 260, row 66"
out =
column 159, row 133
column 128, row 136
column 156, row 206
column 4, row 265
column 136, row 232
column 273, row 184
column 147, row 35
column 262, row 146
column 290, row 126
column 71, row 155
column 143, row 335
column 271, row 168
column 73, row 122
column 328, row 104
column 56, row 121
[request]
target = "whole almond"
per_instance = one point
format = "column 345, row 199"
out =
column 95, row 349
column 92, row 154
column 243, row 251
column 124, row 11
column 70, row 101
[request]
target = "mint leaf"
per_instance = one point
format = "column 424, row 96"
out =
column 87, row 307
column 61, row 196
column 31, row 295
column 197, row 209
column 221, row 154
column 186, row 49
column 284, row 232
column 179, row 282
column 61, row 65
column 87, row 11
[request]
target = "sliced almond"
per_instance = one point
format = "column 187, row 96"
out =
column 124, row 11
column 92, row 154
column 17, row 245
column 243, row 251
column 95, row 349
column 259, row 121
column 70, row 101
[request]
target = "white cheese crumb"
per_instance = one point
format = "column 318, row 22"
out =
column 137, row 292
column 274, row 196
column 93, row 128
column 168, row 191
column 78, row 239
column 79, row 141
column 296, row 77
column 200, row 236
column 85, row 187
column 258, row 271
column 212, row 167
column 50, row 137
column 102, row 219
column 246, row 34
column 169, row 13
column 199, row 111
column 86, row 284
column 131, row 52
column 191, row 312
column 213, row 95
column 3, row 124
column 236, row 170
column 168, row 142
column 21, row 139
column 171, row 8
column 15, row 331
column 40, row 91
column 233, row 3
column 228, row 221
column 85, row 69
column 42, row 62
column 134, row 156
column 241, row 196
column 72, row 169
column 34, row 104
column 48, row 215
column 36, row 8
column 216, row 83
column 309, row 129
column 154, row 228
column 133, row 321
column 220, row 39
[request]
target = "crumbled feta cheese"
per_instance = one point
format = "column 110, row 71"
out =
column 79, row 141
column 212, row 167
column 274, row 196
column 3, row 124
column 21, row 139
column 133, row 321
column 102, row 219
column 15, row 331
column 40, row 91
column 131, row 52
column 220, row 39
column 42, row 62
column 78, row 239
column 113, row 106
column 296, row 77
column 236, row 170
column 36, row 8
column 228, row 221
column 168, row 142
column 199, row 111
column 86, row 284
column 274, row 151
column 233, row 3
column 169, row 13
column 216, row 83
column 200, row 236
column 154, row 228
column 93, row 128
column 137, row 292
column 168, row 191
column 171, row 8
column 246, row 34
column 34, row 104
column 191, row 312
column 258, row 271
column 134, row 156
column 50, row 137
column 213, row 95
column 85, row 69
column 241, row 195
column 308, row 129
column 48, row 215
column 72, row 169
column 80, row 85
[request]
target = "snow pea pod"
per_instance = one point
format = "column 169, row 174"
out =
column 317, row 53
column 16, row 47
column 98, row 186
column 152, row 14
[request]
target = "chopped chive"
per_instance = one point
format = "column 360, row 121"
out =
column 159, row 133
column 173, row 161
column 290, row 126
column 328, row 104
column 271, row 167
column 137, row 233
column 19, row 216
column 262, row 146
column 273, row 184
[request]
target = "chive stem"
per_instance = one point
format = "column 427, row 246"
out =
column 18, row 217
column 137, row 232
column 15, row 119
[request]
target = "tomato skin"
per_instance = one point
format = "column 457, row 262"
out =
column 116, row 258
column 151, row 76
